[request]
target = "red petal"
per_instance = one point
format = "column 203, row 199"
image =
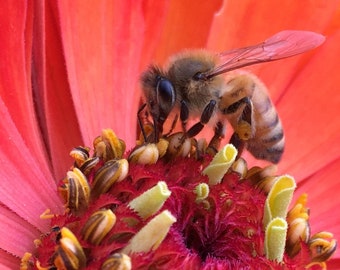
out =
column 155, row 14
column 15, row 87
column 333, row 264
column 8, row 261
column 53, row 99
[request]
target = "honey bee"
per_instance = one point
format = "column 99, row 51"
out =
column 194, row 85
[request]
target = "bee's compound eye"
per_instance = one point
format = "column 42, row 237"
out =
column 165, row 91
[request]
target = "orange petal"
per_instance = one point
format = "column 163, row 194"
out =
column 187, row 25
column 243, row 23
column 102, row 43
column 323, row 199
column 309, row 110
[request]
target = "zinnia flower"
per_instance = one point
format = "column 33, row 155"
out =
column 70, row 69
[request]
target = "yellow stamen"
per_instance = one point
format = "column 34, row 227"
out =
column 275, row 239
column 298, row 226
column 278, row 199
column 151, row 200
column 152, row 234
column 220, row 164
column 47, row 214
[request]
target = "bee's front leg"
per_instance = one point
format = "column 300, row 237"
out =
column 205, row 117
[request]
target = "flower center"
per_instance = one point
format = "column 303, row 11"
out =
column 171, row 205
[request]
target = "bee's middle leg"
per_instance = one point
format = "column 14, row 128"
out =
column 215, row 141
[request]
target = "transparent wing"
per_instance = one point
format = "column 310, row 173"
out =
column 281, row 45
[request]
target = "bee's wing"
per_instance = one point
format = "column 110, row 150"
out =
column 281, row 45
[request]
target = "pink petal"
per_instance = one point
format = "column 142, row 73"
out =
column 26, row 187
column 15, row 89
column 16, row 234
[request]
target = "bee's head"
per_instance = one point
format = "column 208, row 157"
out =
column 160, row 96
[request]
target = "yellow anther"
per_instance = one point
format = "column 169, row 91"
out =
column 26, row 262
column 201, row 191
column 112, row 171
column 98, row 226
column 117, row 261
column 108, row 146
column 162, row 147
column 75, row 191
column 80, row 155
column 145, row 154
column 322, row 246
column 69, row 252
